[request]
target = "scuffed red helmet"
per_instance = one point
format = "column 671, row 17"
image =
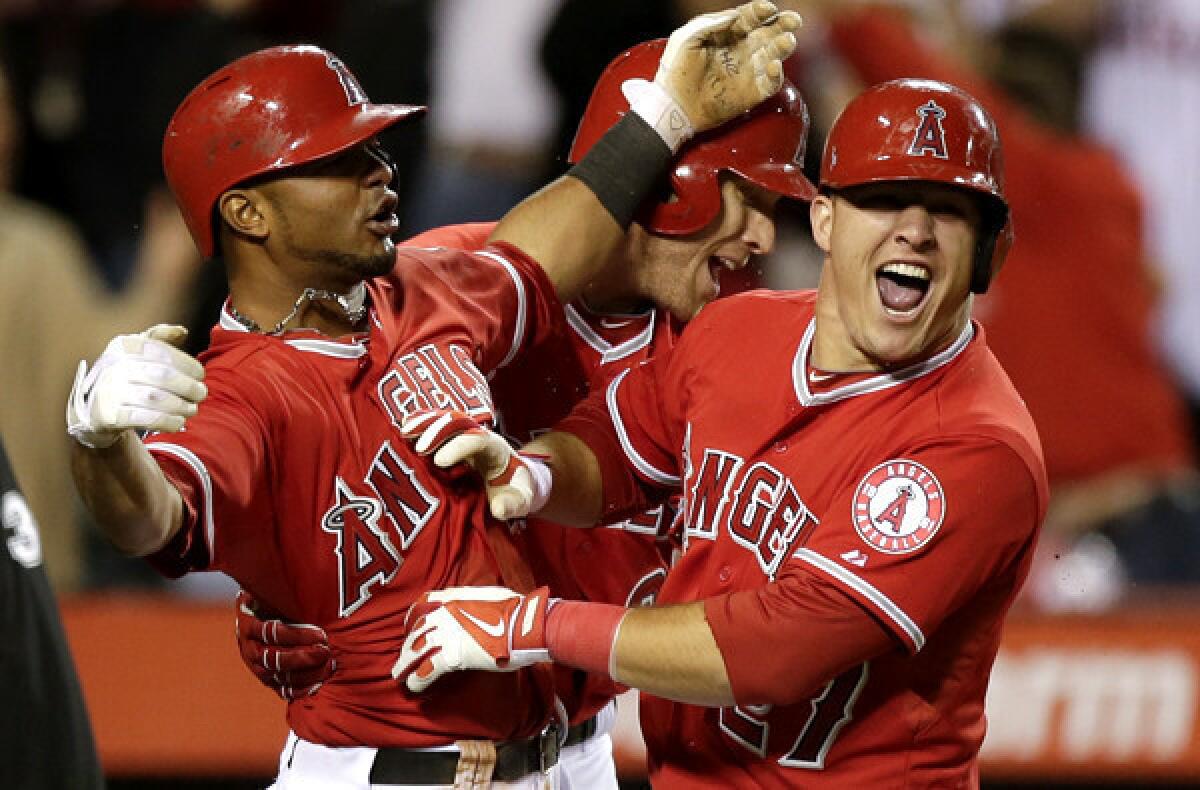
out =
column 270, row 110
column 925, row 130
column 765, row 146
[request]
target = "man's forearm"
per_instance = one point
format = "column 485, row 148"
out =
column 132, row 502
column 564, row 228
column 573, row 226
column 670, row 652
column 667, row 651
column 577, row 492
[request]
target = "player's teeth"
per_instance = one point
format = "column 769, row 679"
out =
column 907, row 270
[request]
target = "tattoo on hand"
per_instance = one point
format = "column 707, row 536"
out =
column 729, row 62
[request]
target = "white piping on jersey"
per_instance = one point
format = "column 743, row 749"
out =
column 645, row 467
column 609, row 352
column 522, row 308
column 881, row 601
column 201, row 471
column 227, row 321
column 313, row 345
column 875, row 383
column 328, row 348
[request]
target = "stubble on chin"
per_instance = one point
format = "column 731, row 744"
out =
column 364, row 267
column 380, row 264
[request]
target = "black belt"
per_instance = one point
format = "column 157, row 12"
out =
column 514, row 760
column 580, row 732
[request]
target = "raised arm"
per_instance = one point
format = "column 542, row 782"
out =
column 714, row 68
column 140, row 382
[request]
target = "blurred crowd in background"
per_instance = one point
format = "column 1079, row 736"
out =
column 1096, row 315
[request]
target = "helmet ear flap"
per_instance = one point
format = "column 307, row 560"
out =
column 995, row 240
column 981, row 271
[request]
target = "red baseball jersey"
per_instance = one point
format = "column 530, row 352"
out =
column 623, row 563
column 916, row 494
column 298, row 484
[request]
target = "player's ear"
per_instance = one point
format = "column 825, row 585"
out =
column 241, row 211
column 820, row 215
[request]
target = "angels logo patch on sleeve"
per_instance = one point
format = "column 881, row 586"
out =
column 898, row 507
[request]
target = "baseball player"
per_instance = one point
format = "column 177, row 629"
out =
column 292, row 476
column 862, row 489
column 47, row 740
column 724, row 189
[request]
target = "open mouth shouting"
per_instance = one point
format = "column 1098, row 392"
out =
column 903, row 287
column 718, row 262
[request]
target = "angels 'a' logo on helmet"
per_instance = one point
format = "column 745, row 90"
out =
column 930, row 137
column 898, row 507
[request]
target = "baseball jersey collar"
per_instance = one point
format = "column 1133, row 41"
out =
column 863, row 386
column 352, row 347
column 577, row 319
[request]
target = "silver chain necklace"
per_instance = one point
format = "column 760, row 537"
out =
column 353, row 305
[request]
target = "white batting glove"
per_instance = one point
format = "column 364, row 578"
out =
column 714, row 68
column 140, row 381
column 493, row 629
column 516, row 484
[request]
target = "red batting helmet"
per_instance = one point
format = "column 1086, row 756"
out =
column 765, row 146
column 270, row 110
column 925, row 130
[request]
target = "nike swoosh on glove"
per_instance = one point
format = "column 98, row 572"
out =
column 490, row 628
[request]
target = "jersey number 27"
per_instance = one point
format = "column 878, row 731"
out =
column 750, row 726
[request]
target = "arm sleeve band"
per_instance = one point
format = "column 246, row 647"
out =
column 582, row 635
column 623, row 166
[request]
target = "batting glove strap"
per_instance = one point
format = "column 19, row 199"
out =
column 654, row 105
column 527, row 628
column 79, row 408
column 530, row 477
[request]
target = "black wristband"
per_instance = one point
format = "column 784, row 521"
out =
column 623, row 166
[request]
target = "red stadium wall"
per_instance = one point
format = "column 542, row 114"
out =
column 1111, row 698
